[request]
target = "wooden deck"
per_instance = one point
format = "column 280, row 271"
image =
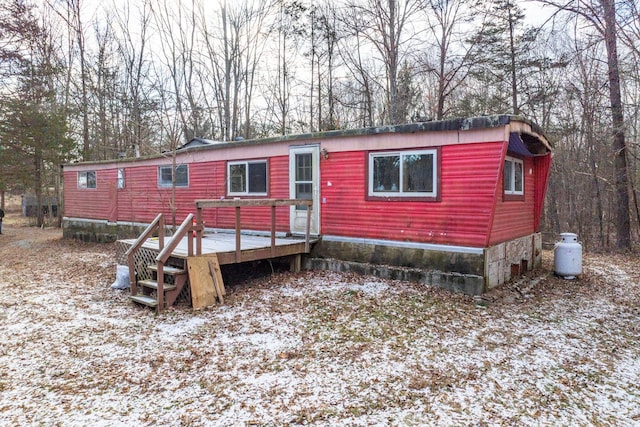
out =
column 153, row 261
column 252, row 247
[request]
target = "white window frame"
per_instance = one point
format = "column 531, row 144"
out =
column 83, row 180
column 165, row 184
column 509, row 184
column 247, row 190
column 372, row 192
column 121, row 178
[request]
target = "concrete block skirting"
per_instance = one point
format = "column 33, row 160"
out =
column 460, row 269
column 466, row 283
column 99, row 231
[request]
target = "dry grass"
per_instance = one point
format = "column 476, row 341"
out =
column 312, row 348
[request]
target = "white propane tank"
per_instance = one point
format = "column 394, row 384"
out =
column 567, row 256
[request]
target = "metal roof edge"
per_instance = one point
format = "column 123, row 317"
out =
column 454, row 124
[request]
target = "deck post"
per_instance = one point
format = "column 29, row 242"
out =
column 132, row 273
column 161, row 232
column 306, row 235
column 295, row 263
column 160, row 290
column 199, row 231
column 190, row 241
column 238, row 243
column 273, row 230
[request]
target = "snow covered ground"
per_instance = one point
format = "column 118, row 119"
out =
column 312, row 348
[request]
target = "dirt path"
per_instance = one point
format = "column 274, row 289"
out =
column 312, row 348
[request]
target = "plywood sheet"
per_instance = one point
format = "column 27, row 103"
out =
column 216, row 273
column 203, row 289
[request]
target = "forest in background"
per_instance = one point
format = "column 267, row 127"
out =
column 87, row 80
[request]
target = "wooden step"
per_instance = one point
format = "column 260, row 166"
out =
column 144, row 299
column 171, row 271
column 152, row 284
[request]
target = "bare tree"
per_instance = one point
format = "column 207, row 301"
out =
column 601, row 15
column 132, row 49
column 448, row 22
column 385, row 23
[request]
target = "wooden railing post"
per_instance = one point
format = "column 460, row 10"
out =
column 307, row 232
column 238, row 242
column 161, row 232
column 131, row 252
column 200, row 231
column 160, row 290
column 273, row 230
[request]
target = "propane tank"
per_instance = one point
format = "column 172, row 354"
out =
column 567, row 256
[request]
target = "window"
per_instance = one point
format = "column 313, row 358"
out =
column 87, row 179
column 247, row 178
column 403, row 174
column 513, row 176
column 120, row 178
column 165, row 176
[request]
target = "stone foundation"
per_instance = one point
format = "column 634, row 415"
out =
column 460, row 269
column 99, row 231
column 511, row 259
column 468, row 270
column 456, row 282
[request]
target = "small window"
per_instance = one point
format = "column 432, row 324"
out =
column 513, row 176
column 165, row 176
column 403, row 174
column 247, row 178
column 120, row 178
column 87, row 179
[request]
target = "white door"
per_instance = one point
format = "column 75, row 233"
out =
column 304, row 183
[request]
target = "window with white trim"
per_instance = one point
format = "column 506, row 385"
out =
column 120, row 178
column 403, row 174
column 165, row 176
column 87, row 179
column 513, row 176
column 247, row 178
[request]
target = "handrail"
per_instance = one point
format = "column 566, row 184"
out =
column 184, row 229
column 156, row 224
column 237, row 204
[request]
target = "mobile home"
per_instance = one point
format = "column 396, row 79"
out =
column 456, row 202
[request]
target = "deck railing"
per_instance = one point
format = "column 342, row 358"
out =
column 190, row 228
column 237, row 204
column 156, row 225
column 185, row 229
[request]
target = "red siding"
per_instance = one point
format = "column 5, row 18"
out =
column 93, row 203
column 469, row 175
column 470, row 211
column 141, row 199
column 542, row 167
column 515, row 218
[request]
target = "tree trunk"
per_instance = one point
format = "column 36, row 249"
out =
column 623, row 223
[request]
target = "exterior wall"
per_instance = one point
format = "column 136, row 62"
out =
column 514, row 218
column 92, row 203
column 141, row 200
column 469, row 176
